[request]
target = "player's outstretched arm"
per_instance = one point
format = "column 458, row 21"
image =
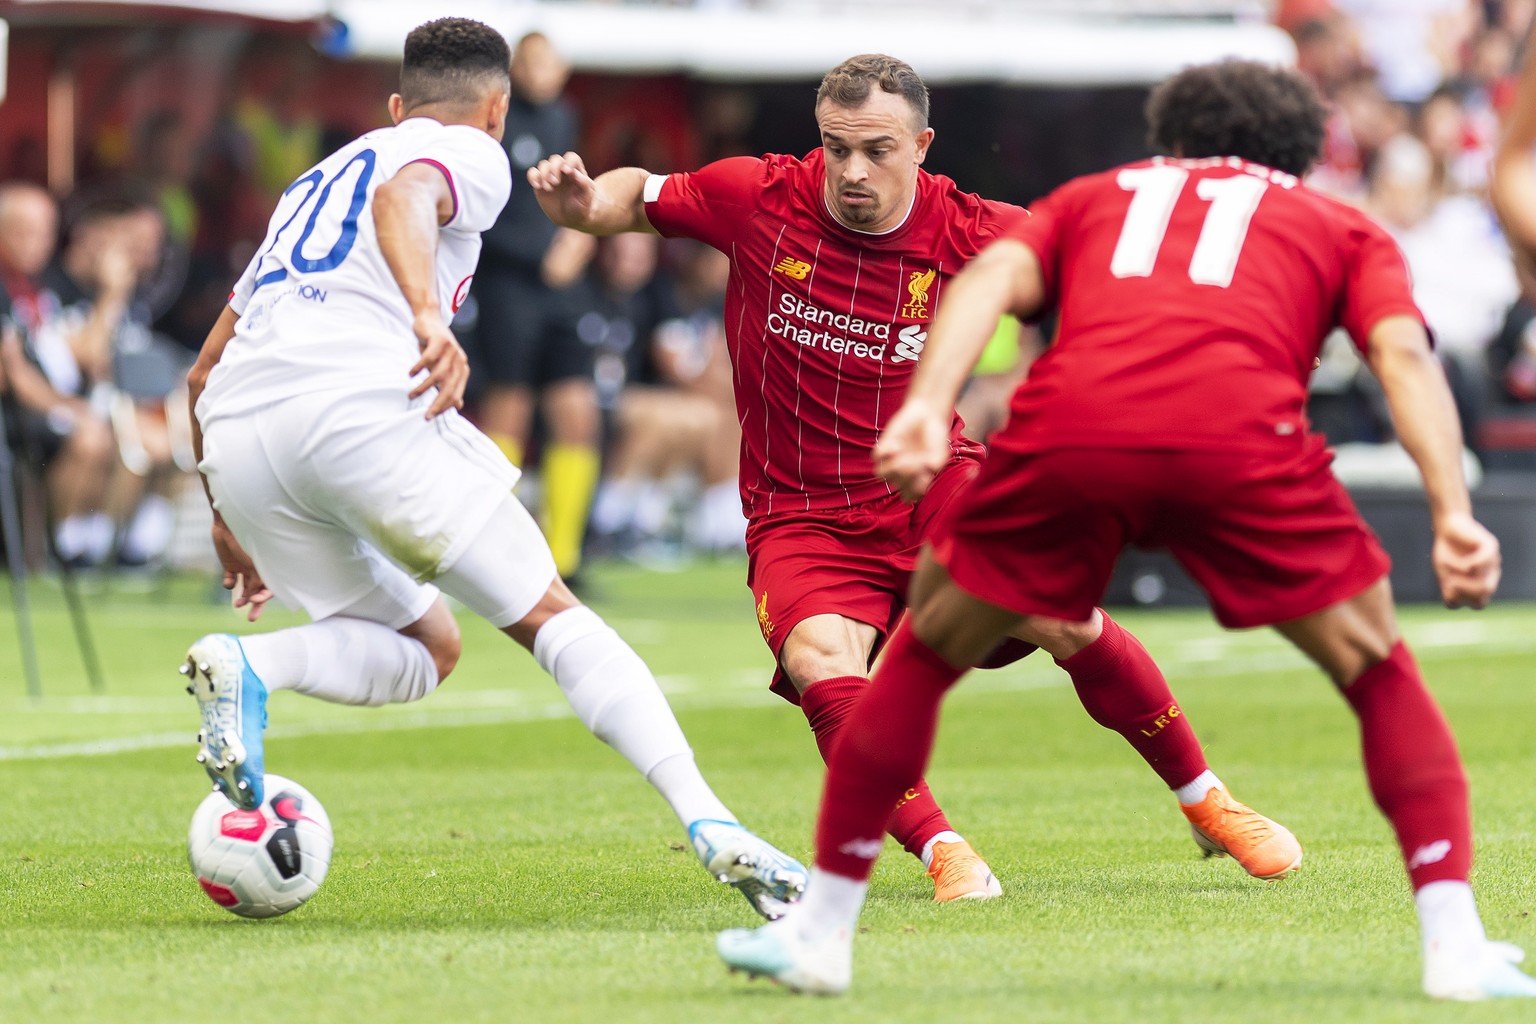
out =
column 408, row 209
column 606, row 205
column 1005, row 278
column 1513, row 189
column 1466, row 554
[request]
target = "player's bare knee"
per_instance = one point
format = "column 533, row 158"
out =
column 1060, row 638
column 825, row 647
column 805, row 664
column 556, row 599
column 445, row 652
column 438, row 632
column 1359, row 652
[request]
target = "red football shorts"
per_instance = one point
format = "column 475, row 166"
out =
column 1269, row 537
column 855, row 562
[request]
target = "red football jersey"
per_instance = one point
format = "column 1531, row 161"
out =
column 1194, row 296
column 824, row 324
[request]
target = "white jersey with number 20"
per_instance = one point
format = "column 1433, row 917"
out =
column 319, row 308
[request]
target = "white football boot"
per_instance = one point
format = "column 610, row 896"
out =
column 1483, row 970
column 777, row 951
column 770, row 879
column 233, row 702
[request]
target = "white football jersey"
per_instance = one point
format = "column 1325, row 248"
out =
column 319, row 308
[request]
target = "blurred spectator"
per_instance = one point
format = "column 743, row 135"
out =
column 676, row 438
column 1513, row 189
column 56, row 432
column 99, row 347
column 1512, row 356
column 1363, row 121
column 275, row 110
column 691, row 354
column 1459, row 160
column 1463, row 278
column 1415, row 44
column 165, row 160
column 1327, row 51
column 525, row 339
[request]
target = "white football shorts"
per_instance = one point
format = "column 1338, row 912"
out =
column 351, row 503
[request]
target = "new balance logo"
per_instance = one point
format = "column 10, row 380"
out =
column 791, row 267
column 864, row 849
column 1430, row 853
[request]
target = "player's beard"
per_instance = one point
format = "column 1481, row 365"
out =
column 864, row 213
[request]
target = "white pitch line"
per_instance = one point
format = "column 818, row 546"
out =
column 747, row 688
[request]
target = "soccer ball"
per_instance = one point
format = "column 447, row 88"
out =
column 263, row 862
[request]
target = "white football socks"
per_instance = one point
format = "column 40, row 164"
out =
column 943, row 837
column 616, row 697
column 344, row 661
column 831, row 903
column 1193, row 792
column 1448, row 917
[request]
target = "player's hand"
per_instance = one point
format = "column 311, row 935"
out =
column 564, row 188
column 1467, row 561
column 912, row 449
column 445, row 364
column 240, row 573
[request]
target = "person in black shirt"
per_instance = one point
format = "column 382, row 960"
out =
column 58, row 432
column 526, row 341
column 100, row 347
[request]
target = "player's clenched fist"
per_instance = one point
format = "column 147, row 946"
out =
column 913, row 448
column 1467, row 562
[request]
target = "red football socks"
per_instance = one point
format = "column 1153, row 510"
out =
column 1122, row 689
column 1413, row 769
column 827, row 703
column 880, row 754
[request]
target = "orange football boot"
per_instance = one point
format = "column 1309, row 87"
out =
column 1225, row 828
column 959, row 873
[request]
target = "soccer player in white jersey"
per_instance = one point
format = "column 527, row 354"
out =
column 343, row 478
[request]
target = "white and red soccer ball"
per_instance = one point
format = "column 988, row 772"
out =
column 263, row 862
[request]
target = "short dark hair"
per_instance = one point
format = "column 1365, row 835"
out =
column 849, row 84
column 104, row 200
column 1269, row 115
column 452, row 60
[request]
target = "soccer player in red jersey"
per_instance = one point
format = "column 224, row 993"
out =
column 1193, row 293
column 837, row 262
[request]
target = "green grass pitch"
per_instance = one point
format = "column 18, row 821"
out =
column 495, row 863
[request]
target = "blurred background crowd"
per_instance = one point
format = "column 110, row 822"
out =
column 141, row 155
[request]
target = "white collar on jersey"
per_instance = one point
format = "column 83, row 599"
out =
column 874, row 234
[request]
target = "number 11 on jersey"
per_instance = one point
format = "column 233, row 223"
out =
column 1155, row 191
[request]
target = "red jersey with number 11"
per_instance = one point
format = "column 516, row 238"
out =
column 1194, row 296
column 825, row 325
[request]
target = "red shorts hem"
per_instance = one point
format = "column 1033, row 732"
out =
column 1370, row 568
